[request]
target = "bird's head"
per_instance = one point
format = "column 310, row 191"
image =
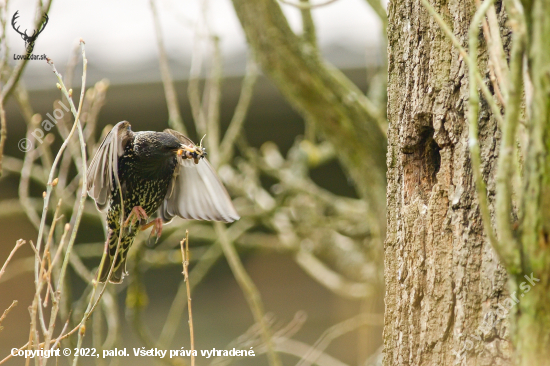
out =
column 156, row 146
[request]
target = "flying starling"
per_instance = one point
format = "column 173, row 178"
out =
column 152, row 171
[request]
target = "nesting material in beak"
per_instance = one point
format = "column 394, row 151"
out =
column 187, row 152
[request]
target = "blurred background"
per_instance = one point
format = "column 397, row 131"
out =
column 304, row 243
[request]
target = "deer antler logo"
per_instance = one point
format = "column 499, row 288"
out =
column 29, row 40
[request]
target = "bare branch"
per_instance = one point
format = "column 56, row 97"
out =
column 178, row 305
column 345, row 117
column 496, row 50
column 18, row 245
column 476, row 75
column 24, row 182
column 18, row 71
column 3, row 131
column 509, row 255
column 237, row 122
column 213, row 88
column 338, row 330
column 508, row 246
column 303, row 6
column 193, row 89
column 83, row 194
column 300, row 349
column 332, row 280
column 174, row 116
column 5, row 313
column 249, row 289
column 185, row 261
column 308, row 26
column 380, row 10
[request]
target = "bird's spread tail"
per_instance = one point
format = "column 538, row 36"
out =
column 119, row 270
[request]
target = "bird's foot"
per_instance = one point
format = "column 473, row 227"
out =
column 137, row 214
column 156, row 231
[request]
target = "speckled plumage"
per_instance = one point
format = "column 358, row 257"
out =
column 153, row 178
column 145, row 179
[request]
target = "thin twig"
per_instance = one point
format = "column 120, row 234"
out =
column 83, row 193
column 178, row 305
column 76, row 126
column 213, row 88
column 174, row 116
column 36, row 307
column 336, row 331
column 237, row 122
column 185, row 261
column 476, row 75
column 299, row 349
column 49, row 186
column 494, row 66
column 332, row 280
column 71, row 65
column 497, row 52
column 18, row 71
column 5, row 313
column 3, row 23
column 110, row 309
column 100, row 91
column 193, row 88
column 309, row 34
column 380, row 10
column 3, row 131
column 136, row 298
column 57, row 298
column 23, row 190
column 18, row 245
column 473, row 109
column 250, row 291
column 508, row 246
column 56, row 343
column 307, row 6
column 252, row 338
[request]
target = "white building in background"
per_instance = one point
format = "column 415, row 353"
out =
column 121, row 45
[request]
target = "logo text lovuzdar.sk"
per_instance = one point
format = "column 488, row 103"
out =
column 30, row 57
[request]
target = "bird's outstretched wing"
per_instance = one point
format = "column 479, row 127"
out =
column 196, row 191
column 104, row 165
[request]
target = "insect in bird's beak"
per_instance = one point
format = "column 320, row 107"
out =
column 192, row 152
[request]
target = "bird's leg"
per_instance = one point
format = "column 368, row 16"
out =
column 157, row 228
column 137, row 214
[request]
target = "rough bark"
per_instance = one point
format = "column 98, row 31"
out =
column 443, row 280
column 323, row 95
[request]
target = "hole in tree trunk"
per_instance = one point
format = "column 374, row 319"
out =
column 421, row 163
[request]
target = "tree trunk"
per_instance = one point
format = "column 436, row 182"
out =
column 444, row 282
